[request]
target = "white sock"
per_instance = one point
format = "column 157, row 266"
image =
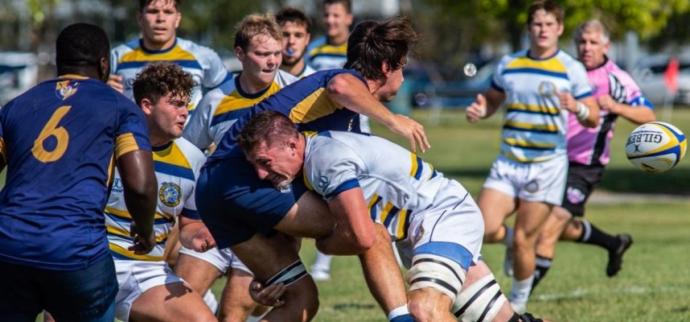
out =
column 398, row 311
column 322, row 263
column 211, row 301
column 519, row 294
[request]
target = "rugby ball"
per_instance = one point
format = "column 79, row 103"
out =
column 655, row 147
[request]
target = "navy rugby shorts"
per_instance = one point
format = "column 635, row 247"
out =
column 579, row 186
column 235, row 204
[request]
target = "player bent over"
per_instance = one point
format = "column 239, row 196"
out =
column 149, row 290
column 258, row 221
column 435, row 222
column 258, row 47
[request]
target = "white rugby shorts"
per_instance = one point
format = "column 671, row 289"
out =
column 135, row 277
column 538, row 181
column 455, row 218
column 222, row 259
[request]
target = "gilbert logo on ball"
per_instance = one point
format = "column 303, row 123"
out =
column 655, row 147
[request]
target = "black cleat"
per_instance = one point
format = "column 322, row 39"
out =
column 529, row 318
column 616, row 256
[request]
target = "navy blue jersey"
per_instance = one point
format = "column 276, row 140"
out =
column 60, row 141
column 305, row 102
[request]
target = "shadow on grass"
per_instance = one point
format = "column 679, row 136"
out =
column 674, row 182
column 354, row 306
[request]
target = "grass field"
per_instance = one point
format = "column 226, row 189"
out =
column 654, row 284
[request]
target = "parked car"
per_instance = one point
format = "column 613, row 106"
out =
column 649, row 74
column 18, row 72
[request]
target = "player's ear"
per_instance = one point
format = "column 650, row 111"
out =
column 104, row 68
column 178, row 18
column 239, row 53
column 146, row 106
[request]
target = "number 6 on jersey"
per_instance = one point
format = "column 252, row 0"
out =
column 51, row 129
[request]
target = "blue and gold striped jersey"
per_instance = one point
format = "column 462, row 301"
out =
column 323, row 55
column 201, row 62
column 396, row 182
column 222, row 106
column 60, row 140
column 177, row 166
column 305, row 102
column 535, row 125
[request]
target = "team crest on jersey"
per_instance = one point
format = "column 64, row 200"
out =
column 65, row 89
column 547, row 88
column 169, row 194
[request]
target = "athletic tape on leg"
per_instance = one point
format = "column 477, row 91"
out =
column 479, row 301
column 437, row 272
column 289, row 274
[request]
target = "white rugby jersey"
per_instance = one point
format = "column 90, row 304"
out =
column 201, row 62
column 535, row 125
column 177, row 168
column 323, row 55
column 222, row 106
column 396, row 182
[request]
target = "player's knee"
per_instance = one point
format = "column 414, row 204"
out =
column 525, row 238
column 480, row 301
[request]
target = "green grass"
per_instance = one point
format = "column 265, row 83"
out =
column 654, row 284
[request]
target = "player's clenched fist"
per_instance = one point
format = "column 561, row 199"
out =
column 567, row 101
column 477, row 110
column 115, row 81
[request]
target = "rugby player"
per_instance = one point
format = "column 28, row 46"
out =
column 589, row 151
column 60, row 141
column 540, row 88
column 364, row 179
column 296, row 35
column 158, row 22
column 149, row 290
column 259, row 221
column 258, row 46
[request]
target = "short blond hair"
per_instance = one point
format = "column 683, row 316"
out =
column 256, row 24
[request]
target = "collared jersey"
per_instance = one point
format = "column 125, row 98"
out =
column 222, row 106
column 305, row 102
column 177, row 166
column 592, row 145
column 60, row 140
column 202, row 63
column 323, row 55
column 535, row 125
column 396, row 182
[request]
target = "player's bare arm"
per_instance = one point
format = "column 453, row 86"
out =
column 348, row 91
column 485, row 105
column 631, row 113
column 354, row 231
column 139, row 181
